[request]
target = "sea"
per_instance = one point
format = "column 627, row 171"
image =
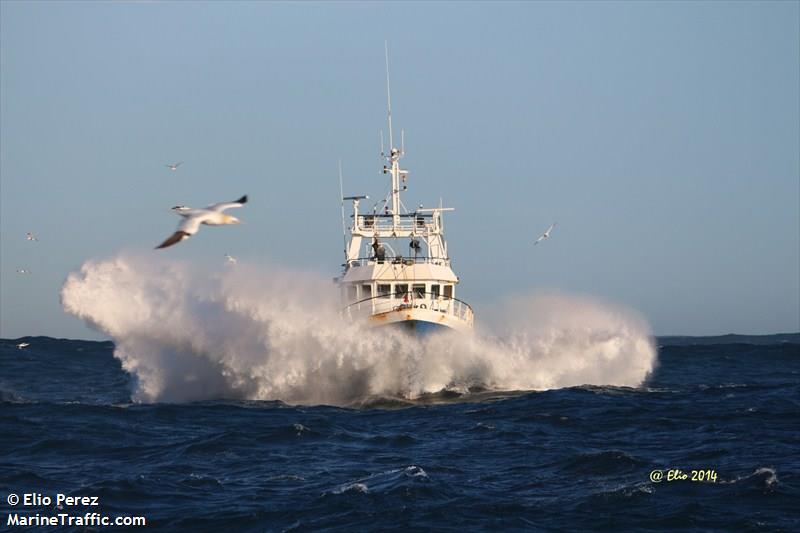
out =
column 710, row 441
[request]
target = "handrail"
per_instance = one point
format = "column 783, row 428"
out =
column 401, row 215
column 439, row 297
column 406, row 222
column 361, row 261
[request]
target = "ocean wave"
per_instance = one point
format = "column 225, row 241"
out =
column 384, row 482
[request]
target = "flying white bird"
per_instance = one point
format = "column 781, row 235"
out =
column 212, row 216
column 23, row 345
column 23, row 271
column 546, row 234
column 174, row 166
column 232, row 260
column 31, row 237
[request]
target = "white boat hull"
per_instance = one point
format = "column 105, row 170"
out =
column 421, row 320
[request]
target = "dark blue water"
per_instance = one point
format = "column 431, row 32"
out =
column 570, row 459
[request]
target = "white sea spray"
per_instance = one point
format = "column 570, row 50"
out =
column 254, row 332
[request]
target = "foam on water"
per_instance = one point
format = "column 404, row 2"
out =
column 186, row 333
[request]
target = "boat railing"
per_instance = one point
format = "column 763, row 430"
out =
column 384, row 303
column 399, row 260
column 407, row 222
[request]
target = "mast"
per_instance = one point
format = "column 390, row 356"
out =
column 423, row 223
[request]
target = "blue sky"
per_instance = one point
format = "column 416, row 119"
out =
column 663, row 138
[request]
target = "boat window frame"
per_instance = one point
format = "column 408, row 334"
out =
column 400, row 294
column 415, row 290
column 366, row 291
column 351, row 293
column 388, row 290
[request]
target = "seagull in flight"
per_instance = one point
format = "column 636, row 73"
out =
column 31, row 237
column 212, row 215
column 232, row 260
column 174, row 166
column 23, row 345
column 23, row 271
column 546, row 234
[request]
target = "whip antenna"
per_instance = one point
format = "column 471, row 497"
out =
column 388, row 94
column 341, row 199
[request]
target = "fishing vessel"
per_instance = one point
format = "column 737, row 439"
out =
column 397, row 269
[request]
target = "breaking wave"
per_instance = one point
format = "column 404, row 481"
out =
column 187, row 333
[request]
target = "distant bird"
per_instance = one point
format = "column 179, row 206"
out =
column 31, row 237
column 546, row 234
column 212, row 216
column 174, row 166
column 232, row 260
column 23, row 271
column 23, row 345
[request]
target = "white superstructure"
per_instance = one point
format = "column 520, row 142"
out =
column 397, row 269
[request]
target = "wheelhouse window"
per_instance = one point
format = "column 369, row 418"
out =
column 366, row 292
column 352, row 293
column 448, row 291
column 435, row 291
column 418, row 290
column 384, row 291
column 400, row 290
